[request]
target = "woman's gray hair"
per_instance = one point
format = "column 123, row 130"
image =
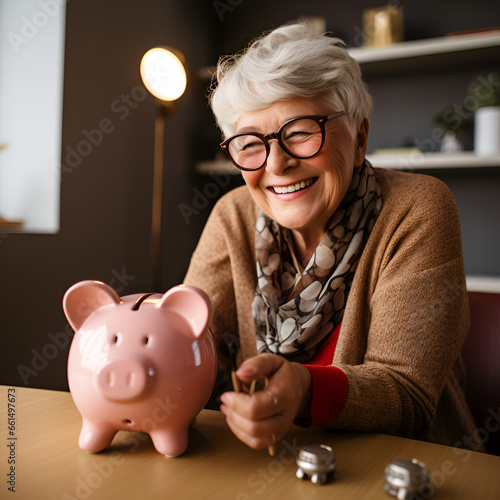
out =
column 290, row 61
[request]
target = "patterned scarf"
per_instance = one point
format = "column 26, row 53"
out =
column 294, row 308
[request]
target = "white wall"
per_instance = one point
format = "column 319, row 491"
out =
column 31, row 93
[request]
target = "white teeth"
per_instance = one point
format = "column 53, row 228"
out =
column 293, row 187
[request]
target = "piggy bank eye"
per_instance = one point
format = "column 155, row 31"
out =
column 145, row 340
column 115, row 339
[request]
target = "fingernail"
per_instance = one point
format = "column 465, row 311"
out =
column 245, row 372
column 225, row 398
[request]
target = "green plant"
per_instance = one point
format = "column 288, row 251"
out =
column 455, row 118
column 484, row 91
column 459, row 117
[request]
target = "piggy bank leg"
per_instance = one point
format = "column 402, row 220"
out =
column 170, row 442
column 94, row 438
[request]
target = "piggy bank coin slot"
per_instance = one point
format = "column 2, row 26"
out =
column 127, row 421
column 140, row 300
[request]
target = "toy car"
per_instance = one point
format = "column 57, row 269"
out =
column 408, row 480
column 316, row 462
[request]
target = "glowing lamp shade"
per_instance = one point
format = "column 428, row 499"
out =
column 163, row 73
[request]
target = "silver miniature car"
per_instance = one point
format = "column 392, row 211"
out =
column 317, row 462
column 408, row 480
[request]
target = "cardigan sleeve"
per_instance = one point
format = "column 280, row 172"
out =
column 410, row 322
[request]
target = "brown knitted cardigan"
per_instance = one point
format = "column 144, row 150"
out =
column 405, row 321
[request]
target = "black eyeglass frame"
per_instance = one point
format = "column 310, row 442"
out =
column 265, row 138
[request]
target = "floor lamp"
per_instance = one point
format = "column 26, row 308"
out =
column 163, row 74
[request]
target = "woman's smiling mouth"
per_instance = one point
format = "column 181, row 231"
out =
column 292, row 188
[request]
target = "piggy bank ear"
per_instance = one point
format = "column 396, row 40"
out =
column 85, row 297
column 192, row 303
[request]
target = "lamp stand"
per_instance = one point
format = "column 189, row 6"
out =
column 165, row 108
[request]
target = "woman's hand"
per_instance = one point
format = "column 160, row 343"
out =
column 264, row 417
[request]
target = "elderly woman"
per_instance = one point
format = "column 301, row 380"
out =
column 342, row 283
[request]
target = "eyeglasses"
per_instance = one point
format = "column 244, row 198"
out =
column 301, row 137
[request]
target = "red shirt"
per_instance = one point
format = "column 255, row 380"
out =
column 329, row 384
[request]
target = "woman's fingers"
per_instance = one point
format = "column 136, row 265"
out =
column 260, row 405
column 257, row 419
column 256, row 433
column 263, row 365
column 258, row 428
column 263, row 417
column 255, row 441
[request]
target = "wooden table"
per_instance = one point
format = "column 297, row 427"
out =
column 49, row 464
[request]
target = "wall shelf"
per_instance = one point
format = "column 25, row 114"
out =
column 424, row 161
column 426, row 47
column 429, row 53
column 412, row 162
column 217, row 166
column 483, row 284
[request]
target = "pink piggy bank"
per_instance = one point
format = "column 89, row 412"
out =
column 144, row 362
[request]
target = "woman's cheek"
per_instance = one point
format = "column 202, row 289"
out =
column 252, row 178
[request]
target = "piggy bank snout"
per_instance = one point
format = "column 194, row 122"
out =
column 122, row 380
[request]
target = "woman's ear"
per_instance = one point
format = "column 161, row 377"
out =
column 361, row 142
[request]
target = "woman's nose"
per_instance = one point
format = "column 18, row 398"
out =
column 279, row 160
